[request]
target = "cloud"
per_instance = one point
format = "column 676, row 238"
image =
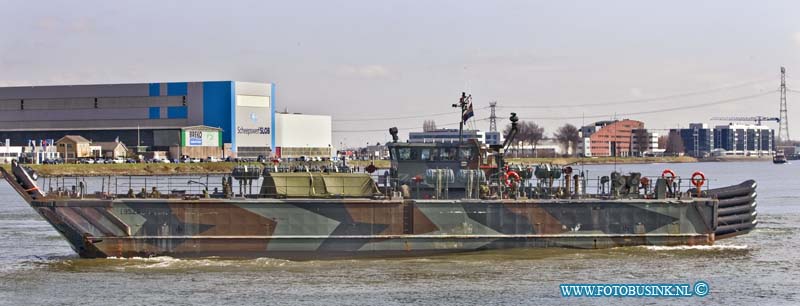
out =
column 364, row 71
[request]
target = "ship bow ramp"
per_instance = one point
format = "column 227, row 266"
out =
column 736, row 213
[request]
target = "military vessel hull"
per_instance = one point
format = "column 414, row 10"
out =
column 311, row 229
column 113, row 225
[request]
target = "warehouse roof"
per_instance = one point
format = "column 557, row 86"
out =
column 109, row 145
column 74, row 138
column 201, row 127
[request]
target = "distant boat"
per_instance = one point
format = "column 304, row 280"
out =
column 779, row 157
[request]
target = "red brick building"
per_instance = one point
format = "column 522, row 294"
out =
column 609, row 138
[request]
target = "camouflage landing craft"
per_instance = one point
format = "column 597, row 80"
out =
column 437, row 198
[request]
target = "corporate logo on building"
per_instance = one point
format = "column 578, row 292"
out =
column 195, row 138
column 252, row 131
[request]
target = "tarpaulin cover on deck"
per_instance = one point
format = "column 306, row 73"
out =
column 318, row 185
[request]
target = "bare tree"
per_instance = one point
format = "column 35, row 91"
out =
column 428, row 125
column 642, row 143
column 662, row 142
column 533, row 135
column 528, row 133
column 674, row 143
column 568, row 136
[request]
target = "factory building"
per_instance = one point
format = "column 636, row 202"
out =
column 198, row 142
column 303, row 135
column 146, row 116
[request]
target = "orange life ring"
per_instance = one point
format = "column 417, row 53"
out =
column 509, row 175
column 698, row 179
column 671, row 176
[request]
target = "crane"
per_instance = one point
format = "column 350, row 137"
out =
column 757, row 119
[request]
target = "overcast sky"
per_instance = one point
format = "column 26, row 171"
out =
column 384, row 59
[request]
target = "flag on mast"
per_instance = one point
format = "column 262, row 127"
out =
column 468, row 113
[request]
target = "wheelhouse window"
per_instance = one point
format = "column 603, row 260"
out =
column 425, row 154
column 466, row 153
column 404, row 153
column 448, row 154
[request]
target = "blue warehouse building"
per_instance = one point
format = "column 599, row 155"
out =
column 150, row 114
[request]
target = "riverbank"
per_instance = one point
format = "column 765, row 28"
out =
column 225, row 167
column 131, row 169
column 603, row 160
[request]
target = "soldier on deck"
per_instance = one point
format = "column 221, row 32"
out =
column 142, row 194
column 155, row 193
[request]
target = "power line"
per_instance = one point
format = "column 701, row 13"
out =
column 621, row 102
column 402, row 128
column 656, row 111
column 370, row 118
column 634, row 101
column 663, row 110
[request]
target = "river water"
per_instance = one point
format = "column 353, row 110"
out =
column 37, row 266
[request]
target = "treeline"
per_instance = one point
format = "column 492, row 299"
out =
column 531, row 135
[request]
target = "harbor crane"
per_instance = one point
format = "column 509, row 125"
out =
column 757, row 119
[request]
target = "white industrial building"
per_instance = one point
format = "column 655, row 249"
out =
column 299, row 135
column 153, row 117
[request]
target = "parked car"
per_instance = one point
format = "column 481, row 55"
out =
column 131, row 161
column 212, row 159
column 53, row 161
column 165, row 161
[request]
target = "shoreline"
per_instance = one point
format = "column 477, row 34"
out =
column 226, row 167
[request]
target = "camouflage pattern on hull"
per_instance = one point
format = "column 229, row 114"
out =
column 336, row 228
